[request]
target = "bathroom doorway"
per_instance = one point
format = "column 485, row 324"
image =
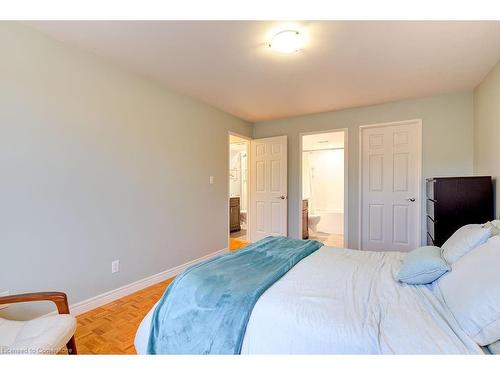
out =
column 324, row 187
column 238, row 191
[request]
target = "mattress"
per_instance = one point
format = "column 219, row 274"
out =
column 341, row 301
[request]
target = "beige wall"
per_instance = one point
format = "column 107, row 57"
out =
column 487, row 128
column 98, row 164
column 447, row 143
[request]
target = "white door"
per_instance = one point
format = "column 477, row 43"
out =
column 268, row 187
column 390, row 186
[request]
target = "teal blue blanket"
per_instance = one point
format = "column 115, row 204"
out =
column 206, row 309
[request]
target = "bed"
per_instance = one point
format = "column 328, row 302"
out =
column 341, row 301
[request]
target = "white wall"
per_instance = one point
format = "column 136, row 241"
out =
column 487, row 129
column 447, row 143
column 98, row 164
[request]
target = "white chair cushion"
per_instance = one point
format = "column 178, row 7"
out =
column 45, row 335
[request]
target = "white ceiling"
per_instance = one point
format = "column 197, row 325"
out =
column 346, row 64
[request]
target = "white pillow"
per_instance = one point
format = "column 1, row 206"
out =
column 472, row 292
column 464, row 240
column 494, row 225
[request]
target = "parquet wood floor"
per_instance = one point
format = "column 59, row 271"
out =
column 236, row 244
column 110, row 329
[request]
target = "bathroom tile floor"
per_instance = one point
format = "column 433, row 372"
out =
column 242, row 234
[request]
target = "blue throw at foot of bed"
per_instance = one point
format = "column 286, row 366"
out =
column 206, row 309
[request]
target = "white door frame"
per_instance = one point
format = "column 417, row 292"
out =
column 419, row 176
column 346, row 178
column 229, row 134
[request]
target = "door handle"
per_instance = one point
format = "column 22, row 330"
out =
column 410, row 199
column 281, row 197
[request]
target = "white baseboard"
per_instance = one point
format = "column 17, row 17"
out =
column 112, row 295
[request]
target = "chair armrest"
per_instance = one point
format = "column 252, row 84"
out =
column 60, row 299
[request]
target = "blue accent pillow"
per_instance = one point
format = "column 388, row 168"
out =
column 423, row 266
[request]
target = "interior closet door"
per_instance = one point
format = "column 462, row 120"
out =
column 390, row 186
column 268, row 187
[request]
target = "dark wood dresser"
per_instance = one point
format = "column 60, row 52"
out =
column 453, row 202
column 305, row 219
column 234, row 214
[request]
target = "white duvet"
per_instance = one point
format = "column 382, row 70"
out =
column 341, row 301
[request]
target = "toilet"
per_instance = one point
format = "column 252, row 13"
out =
column 243, row 219
column 313, row 221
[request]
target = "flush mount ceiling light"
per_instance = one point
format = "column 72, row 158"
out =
column 288, row 41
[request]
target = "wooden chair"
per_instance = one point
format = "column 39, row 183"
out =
column 47, row 334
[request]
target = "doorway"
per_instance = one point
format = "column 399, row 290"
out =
column 238, row 191
column 390, row 193
column 324, row 187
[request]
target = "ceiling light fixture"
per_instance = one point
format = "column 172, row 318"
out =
column 288, row 41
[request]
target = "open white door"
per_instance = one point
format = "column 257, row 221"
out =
column 390, row 186
column 268, row 188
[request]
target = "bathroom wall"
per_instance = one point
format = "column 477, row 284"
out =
column 238, row 173
column 323, row 186
column 244, row 180
column 327, row 180
column 235, row 172
column 306, row 175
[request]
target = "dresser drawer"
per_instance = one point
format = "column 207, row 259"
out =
column 429, row 189
column 430, row 240
column 430, row 227
column 453, row 202
column 430, row 204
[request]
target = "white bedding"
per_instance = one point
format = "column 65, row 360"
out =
column 346, row 301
